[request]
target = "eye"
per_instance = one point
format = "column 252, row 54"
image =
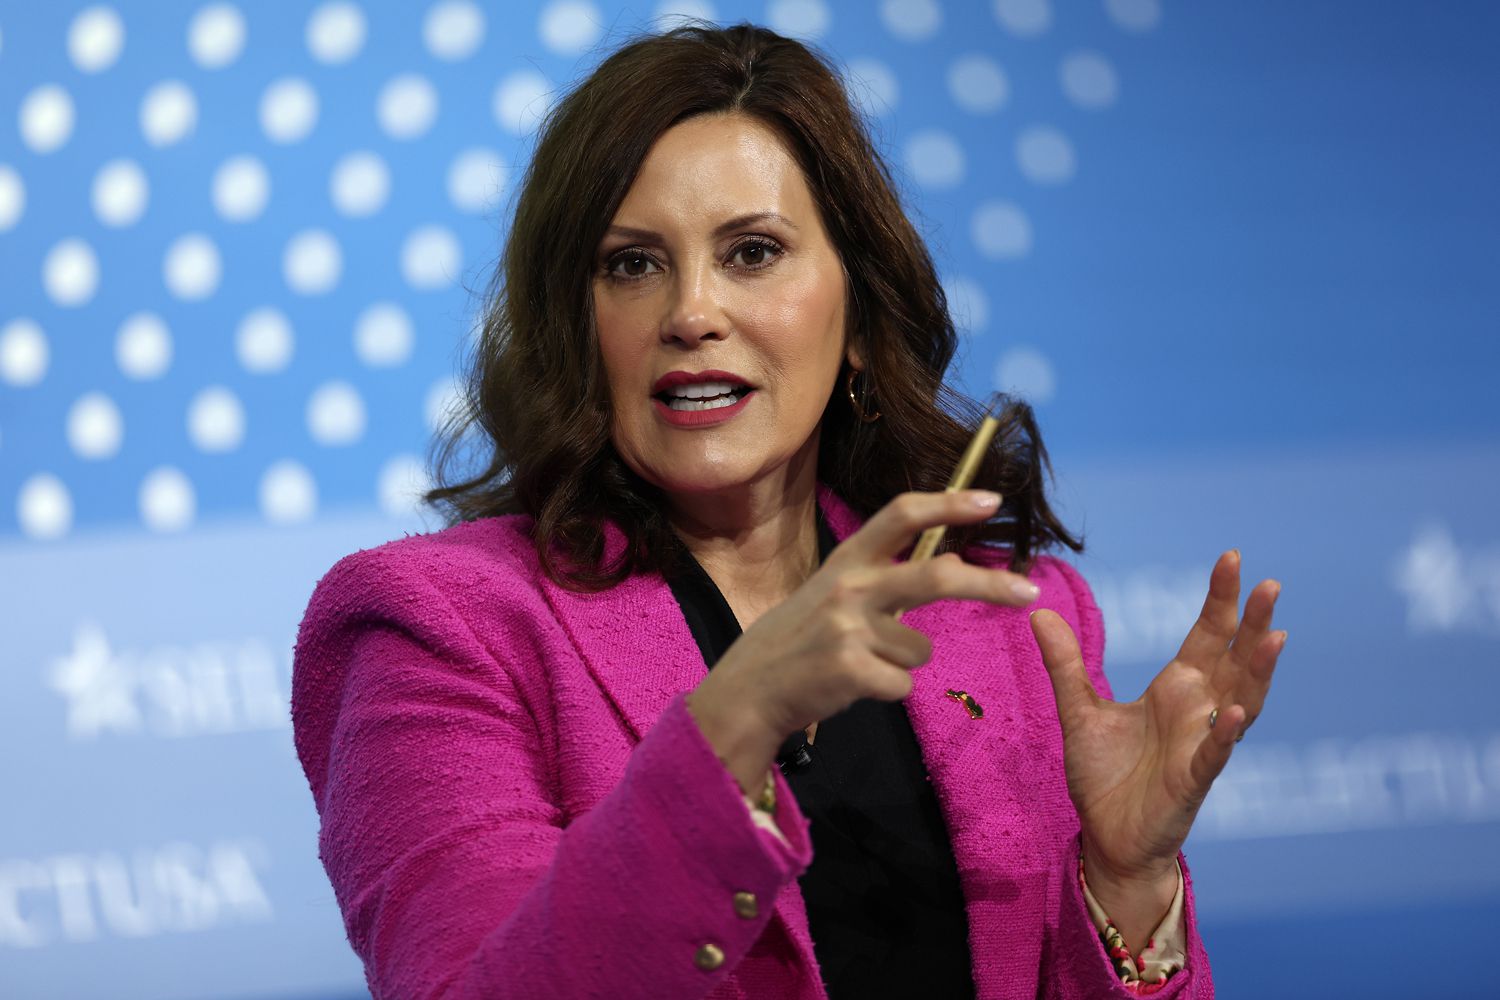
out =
column 757, row 253
column 631, row 264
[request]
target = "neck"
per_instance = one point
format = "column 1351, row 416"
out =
column 758, row 541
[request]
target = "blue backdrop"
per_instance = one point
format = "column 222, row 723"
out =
column 1241, row 256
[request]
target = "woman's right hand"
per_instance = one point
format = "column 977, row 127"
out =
column 837, row 638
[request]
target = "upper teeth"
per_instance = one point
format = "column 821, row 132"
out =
column 701, row 390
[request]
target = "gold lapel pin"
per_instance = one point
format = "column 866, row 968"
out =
column 967, row 700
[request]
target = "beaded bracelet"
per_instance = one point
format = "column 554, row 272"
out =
column 1130, row 968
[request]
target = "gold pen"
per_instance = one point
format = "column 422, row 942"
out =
column 968, row 466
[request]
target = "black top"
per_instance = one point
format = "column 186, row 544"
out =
column 883, row 899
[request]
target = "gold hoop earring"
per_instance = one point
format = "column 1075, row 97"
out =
column 859, row 409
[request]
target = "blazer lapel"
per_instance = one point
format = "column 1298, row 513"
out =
column 985, row 774
column 970, row 651
column 634, row 641
column 981, row 771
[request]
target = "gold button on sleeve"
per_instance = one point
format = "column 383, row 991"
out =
column 746, row 905
column 709, row 957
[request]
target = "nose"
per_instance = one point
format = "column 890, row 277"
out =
column 693, row 312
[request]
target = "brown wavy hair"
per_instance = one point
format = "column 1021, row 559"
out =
column 536, row 411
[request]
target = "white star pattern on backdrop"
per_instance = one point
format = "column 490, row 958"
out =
column 296, row 230
column 100, row 694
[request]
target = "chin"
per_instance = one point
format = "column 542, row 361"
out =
column 705, row 477
column 709, row 482
column 713, row 467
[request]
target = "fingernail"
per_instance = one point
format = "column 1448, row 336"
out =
column 1024, row 590
column 984, row 499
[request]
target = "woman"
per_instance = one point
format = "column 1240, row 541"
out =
column 710, row 384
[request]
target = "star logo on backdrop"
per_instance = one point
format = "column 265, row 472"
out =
column 100, row 691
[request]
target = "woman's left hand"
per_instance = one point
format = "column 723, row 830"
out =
column 1138, row 771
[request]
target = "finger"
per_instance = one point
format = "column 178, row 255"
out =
column 895, row 526
column 911, row 584
column 1231, row 676
column 1256, row 624
column 1216, row 623
column 1255, row 680
column 1214, row 749
column 889, row 683
column 1071, row 686
column 896, row 643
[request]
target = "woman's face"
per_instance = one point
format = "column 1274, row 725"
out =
column 717, row 261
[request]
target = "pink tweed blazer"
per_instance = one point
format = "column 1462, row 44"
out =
column 515, row 802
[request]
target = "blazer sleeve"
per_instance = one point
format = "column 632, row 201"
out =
column 1075, row 963
column 446, row 847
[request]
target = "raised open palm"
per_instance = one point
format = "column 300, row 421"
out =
column 1138, row 771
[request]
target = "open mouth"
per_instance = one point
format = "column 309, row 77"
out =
column 703, row 397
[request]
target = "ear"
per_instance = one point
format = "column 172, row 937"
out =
column 854, row 357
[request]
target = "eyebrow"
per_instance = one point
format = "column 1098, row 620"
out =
column 729, row 225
